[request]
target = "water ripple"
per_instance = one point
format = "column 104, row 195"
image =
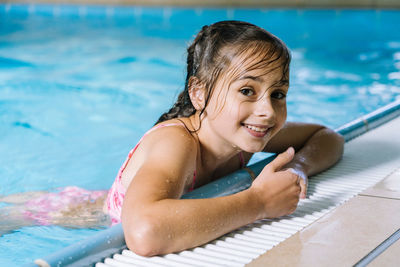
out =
column 13, row 63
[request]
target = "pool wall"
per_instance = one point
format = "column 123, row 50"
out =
column 233, row 3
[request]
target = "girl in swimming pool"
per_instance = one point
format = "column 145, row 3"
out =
column 233, row 104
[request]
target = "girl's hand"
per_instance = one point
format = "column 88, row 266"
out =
column 317, row 148
column 278, row 190
column 303, row 181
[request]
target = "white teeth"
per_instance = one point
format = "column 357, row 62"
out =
column 257, row 129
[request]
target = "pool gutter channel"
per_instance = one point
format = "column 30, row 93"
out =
column 99, row 248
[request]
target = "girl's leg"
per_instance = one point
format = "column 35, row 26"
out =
column 40, row 208
column 83, row 215
column 12, row 218
column 21, row 198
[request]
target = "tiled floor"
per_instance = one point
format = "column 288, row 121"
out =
column 389, row 258
column 347, row 234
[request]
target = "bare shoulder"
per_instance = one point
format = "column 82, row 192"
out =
column 174, row 138
column 168, row 149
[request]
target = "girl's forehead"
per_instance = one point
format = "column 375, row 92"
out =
column 255, row 69
column 255, row 60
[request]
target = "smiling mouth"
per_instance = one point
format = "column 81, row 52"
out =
column 257, row 131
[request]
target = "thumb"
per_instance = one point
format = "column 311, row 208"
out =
column 282, row 159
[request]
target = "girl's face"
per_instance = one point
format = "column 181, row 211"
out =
column 248, row 110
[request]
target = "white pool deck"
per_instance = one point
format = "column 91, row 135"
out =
column 350, row 209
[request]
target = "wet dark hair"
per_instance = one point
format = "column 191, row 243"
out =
column 214, row 48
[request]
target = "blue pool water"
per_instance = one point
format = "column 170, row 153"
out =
column 80, row 85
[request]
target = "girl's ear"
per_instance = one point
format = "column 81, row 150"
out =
column 197, row 93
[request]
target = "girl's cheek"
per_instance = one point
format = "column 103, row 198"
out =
column 281, row 113
column 243, row 109
column 211, row 110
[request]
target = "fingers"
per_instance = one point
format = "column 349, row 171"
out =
column 303, row 187
column 301, row 182
column 282, row 159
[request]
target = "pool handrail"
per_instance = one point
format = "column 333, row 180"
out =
column 110, row 241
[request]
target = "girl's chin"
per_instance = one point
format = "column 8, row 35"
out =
column 253, row 149
column 256, row 144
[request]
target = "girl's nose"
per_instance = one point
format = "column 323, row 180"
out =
column 263, row 108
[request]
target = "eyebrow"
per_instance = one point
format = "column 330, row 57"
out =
column 259, row 79
column 281, row 82
column 254, row 78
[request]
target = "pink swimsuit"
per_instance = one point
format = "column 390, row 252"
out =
column 117, row 192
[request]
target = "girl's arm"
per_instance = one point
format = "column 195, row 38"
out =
column 156, row 221
column 317, row 148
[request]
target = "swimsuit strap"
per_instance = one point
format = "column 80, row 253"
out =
column 241, row 159
column 140, row 140
column 161, row 126
column 137, row 145
column 193, row 182
column 155, row 128
column 117, row 191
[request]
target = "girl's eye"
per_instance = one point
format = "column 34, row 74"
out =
column 247, row 91
column 278, row 95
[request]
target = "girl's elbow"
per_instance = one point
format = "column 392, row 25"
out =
column 340, row 143
column 335, row 138
column 337, row 142
column 143, row 238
